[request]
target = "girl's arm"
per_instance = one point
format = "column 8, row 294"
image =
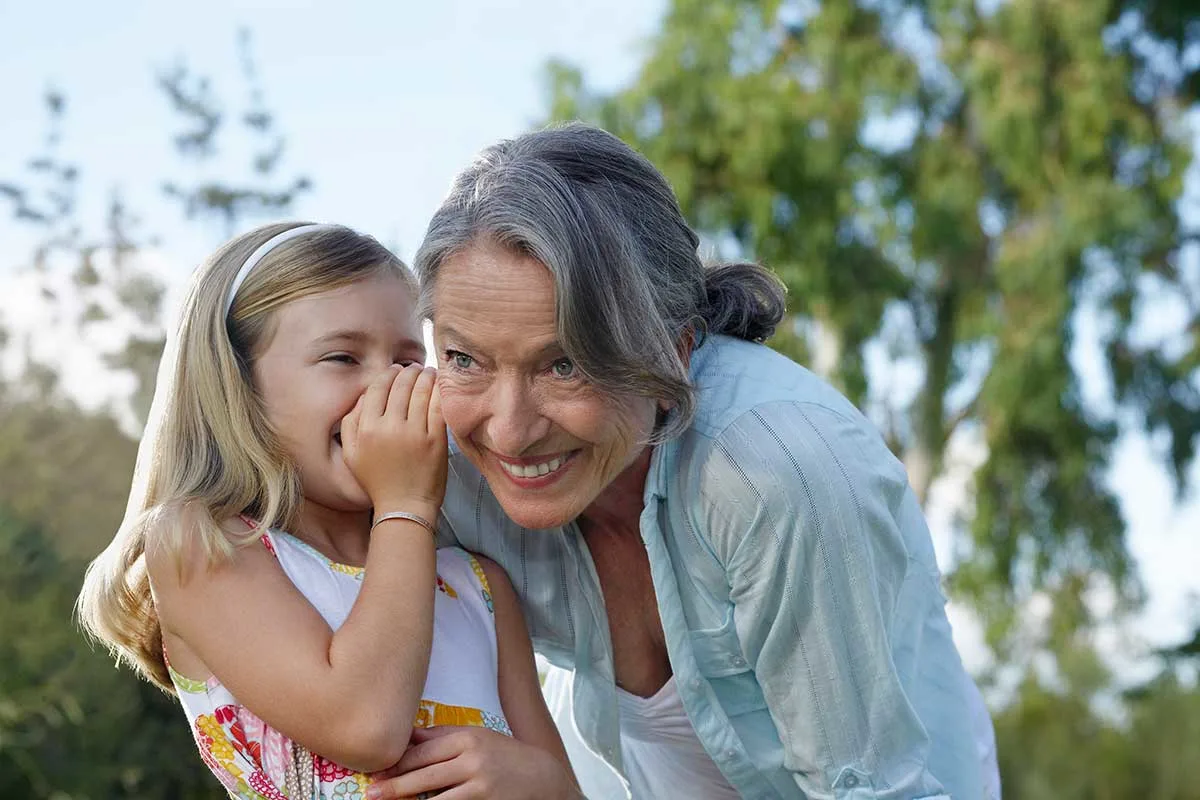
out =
column 478, row 763
column 351, row 695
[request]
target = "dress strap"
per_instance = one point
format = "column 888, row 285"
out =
column 253, row 525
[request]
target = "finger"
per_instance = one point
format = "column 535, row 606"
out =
column 391, row 772
column 420, row 735
column 418, row 401
column 376, row 397
column 433, row 778
column 349, row 428
column 435, row 419
column 402, row 387
column 431, row 746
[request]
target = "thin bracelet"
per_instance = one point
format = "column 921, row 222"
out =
column 424, row 523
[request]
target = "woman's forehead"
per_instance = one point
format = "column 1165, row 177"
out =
column 490, row 284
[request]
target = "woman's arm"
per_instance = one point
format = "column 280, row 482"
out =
column 814, row 522
column 478, row 763
column 351, row 695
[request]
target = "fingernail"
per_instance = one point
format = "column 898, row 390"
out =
column 374, row 793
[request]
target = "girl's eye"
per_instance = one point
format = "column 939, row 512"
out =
column 563, row 368
column 341, row 358
column 459, row 359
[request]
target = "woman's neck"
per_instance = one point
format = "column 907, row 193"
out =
column 618, row 508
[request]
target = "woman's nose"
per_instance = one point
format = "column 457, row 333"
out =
column 516, row 421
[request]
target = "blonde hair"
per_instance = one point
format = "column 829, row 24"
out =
column 212, row 454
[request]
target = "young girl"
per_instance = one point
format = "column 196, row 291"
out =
column 276, row 567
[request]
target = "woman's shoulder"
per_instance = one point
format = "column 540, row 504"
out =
column 736, row 380
column 765, row 436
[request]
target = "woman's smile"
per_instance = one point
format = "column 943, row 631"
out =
column 538, row 471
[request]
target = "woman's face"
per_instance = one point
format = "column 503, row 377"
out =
column 547, row 441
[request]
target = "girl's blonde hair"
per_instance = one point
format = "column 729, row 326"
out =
column 209, row 453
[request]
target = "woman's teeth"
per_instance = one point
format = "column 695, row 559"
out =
column 533, row 470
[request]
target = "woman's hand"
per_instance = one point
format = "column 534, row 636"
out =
column 394, row 441
column 471, row 764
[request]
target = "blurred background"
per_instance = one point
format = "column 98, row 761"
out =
column 987, row 213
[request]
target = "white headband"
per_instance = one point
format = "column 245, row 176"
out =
column 261, row 252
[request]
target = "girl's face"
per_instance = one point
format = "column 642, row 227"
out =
column 324, row 351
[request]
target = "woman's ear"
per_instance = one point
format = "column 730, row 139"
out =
column 685, row 346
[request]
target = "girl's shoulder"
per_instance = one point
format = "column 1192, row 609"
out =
column 183, row 541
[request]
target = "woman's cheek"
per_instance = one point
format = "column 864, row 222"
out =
column 458, row 404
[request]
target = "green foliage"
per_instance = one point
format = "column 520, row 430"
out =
column 71, row 726
column 65, row 469
column 946, row 189
column 1054, row 746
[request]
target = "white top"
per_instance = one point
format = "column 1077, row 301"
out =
column 661, row 754
column 600, row 781
column 251, row 759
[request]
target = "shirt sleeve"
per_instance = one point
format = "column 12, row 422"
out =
column 801, row 505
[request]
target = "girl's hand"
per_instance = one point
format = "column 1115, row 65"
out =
column 394, row 441
column 469, row 763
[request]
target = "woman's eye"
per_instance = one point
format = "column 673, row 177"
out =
column 459, row 360
column 341, row 358
column 563, row 368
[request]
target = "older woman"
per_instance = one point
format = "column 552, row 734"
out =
column 716, row 542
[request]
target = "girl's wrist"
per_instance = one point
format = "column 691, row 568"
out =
column 405, row 516
column 424, row 509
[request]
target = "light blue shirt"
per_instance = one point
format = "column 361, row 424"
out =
column 796, row 584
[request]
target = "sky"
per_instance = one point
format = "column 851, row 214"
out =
column 381, row 104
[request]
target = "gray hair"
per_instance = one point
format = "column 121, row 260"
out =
column 630, row 286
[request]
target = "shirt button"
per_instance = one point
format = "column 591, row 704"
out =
column 851, row 781
column 738, row 661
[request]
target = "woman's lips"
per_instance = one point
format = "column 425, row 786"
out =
column 536, row 471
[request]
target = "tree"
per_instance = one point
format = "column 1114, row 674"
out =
column 256, row 193
column 1056, row 744
column 71, row 726
column 65, row 470
column 947, row 188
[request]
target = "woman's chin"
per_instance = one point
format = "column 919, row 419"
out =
column 537, row 514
